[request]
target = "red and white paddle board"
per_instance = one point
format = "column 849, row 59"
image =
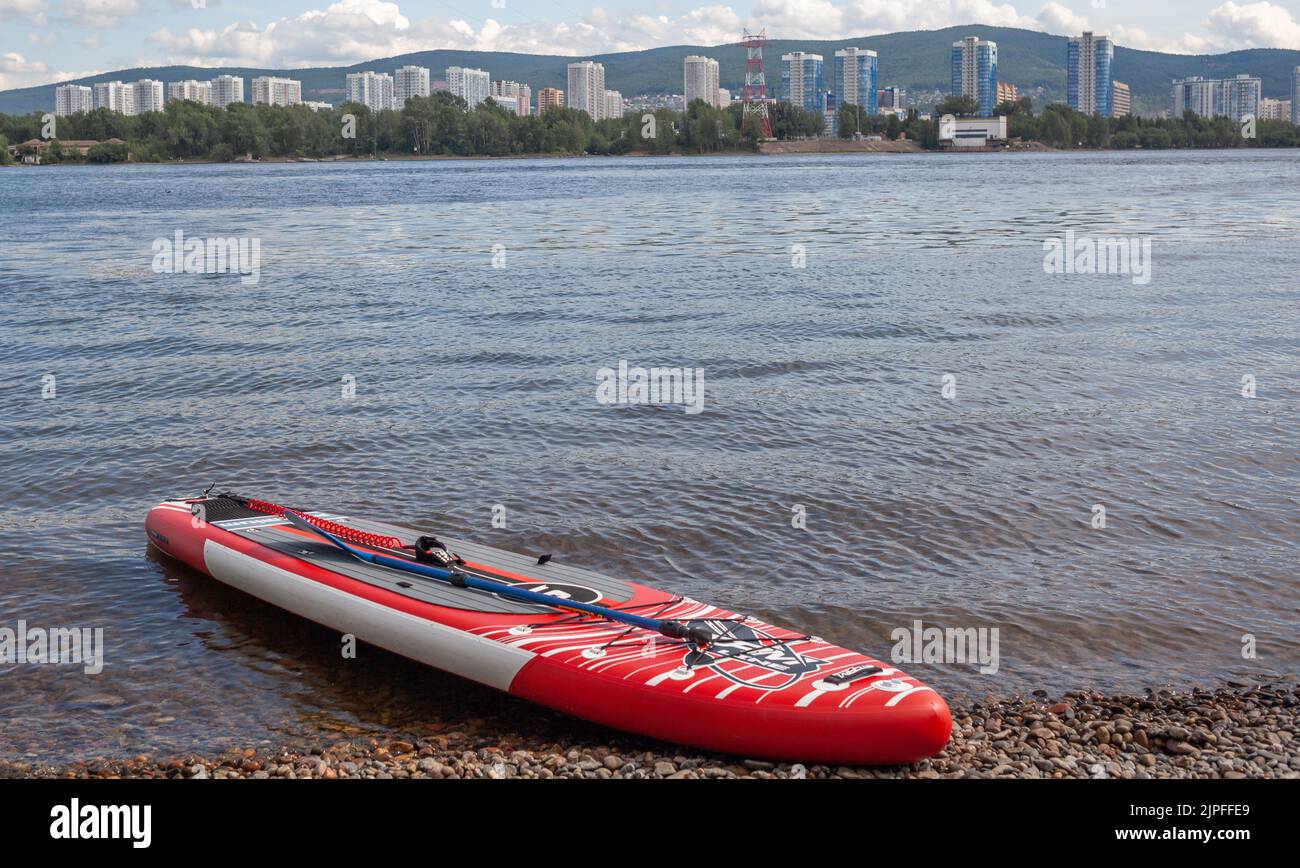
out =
column 756, row 690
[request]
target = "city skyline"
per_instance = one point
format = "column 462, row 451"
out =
column 805, row 81
column 80, row 38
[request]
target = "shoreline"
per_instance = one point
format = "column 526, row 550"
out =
column 1230, row 732
column 767, row 149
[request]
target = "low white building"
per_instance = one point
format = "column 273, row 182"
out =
column 972, row 132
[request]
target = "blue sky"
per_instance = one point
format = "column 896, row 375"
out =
column 49, row 40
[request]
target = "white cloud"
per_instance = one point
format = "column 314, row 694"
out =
column 1253, row 25
column 351, row 31
column 1055, row 18
column 31, row 10
column 98, row 14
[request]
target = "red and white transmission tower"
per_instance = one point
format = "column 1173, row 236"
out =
column 755, row 108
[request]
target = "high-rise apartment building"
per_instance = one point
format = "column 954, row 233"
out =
column 191, row 91
column 1274, row 109
column 1202, row 96
column 1241, row 97
column 72, row 98
column 854, row 78
column 613, row 104
column 374, row 90
column 549, row 98
column 471, row 85
column 803, row 81
column 227, row 89
column 273, row 90
column 148, row 95
column 587, row 88
column 409, row 81
column 1121, row 99
column 1088, row 83
column 1295, row 96
column 115, row 96
column 1235, row 98
column 700, row 79
column 975, row 71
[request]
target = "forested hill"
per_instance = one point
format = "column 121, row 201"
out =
column 915, row 60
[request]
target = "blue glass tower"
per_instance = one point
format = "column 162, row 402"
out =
column 1090, row 86
column 803, row 81
column 854, row 78
column 975, row 72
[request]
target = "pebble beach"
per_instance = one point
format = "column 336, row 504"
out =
column 1231, row 732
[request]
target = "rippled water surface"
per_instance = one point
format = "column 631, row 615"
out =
column 476, row 386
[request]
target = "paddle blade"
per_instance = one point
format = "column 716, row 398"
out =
column 300, row 521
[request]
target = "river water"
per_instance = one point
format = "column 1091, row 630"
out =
column 904, row 416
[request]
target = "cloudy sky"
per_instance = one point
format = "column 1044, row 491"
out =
column 50, row 40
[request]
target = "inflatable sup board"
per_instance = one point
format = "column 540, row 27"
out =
column 610, row 651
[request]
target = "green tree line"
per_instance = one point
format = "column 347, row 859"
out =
column 439, row 125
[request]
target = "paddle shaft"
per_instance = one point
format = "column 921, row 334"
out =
column 672, row 629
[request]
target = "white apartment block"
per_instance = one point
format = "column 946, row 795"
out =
column 513, row 96
column 318, row 106
column 1274, row 109
column 115, row 96
column 148, row 96
column 72, row 98
column 227, row 89
column 613, row 104
column 1241, row 97
column 191, row 90
column 587, row 88
column 374, row 90
column 701, row 79
column 409, row 81
column 272, row 90
column 471, row 85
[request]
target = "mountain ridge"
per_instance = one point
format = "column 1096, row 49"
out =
column 915, row 60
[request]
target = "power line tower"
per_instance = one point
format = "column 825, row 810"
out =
column 755, row 109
